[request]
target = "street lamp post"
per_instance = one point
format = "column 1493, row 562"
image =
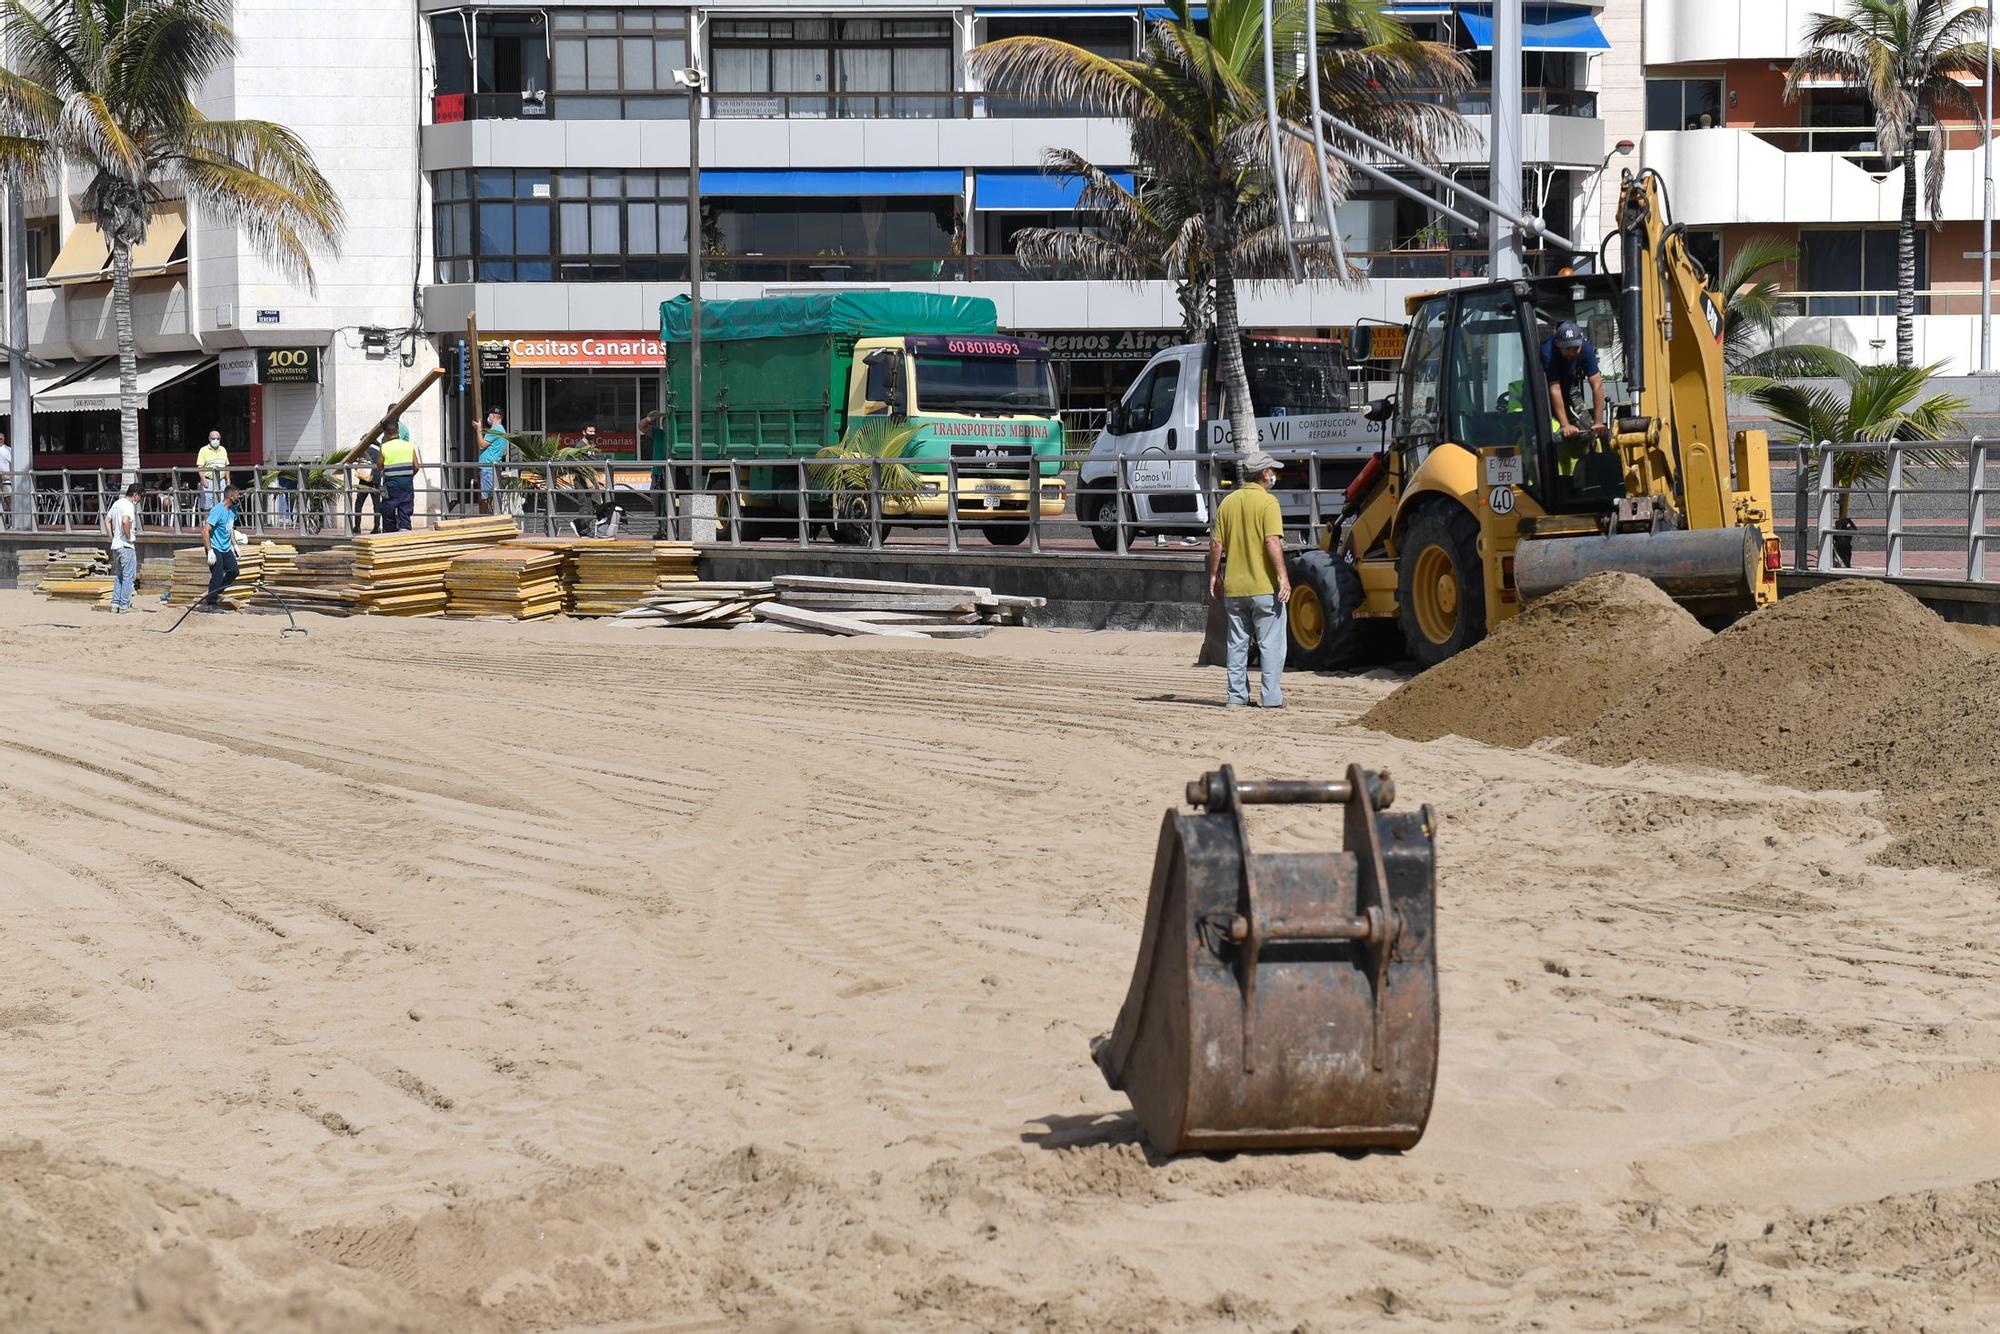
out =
column 691, row 79
column 1986, row 223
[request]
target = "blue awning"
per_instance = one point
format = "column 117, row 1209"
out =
column 813, row 184
column 1545, row 28
column 1162, row 12
column 1060, row 12
column 1031, row 191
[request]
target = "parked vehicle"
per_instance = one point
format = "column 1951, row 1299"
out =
column 1172, row 419
column 926, row 381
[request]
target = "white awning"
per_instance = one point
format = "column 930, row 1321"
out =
column 98, row 391
column 40, row 379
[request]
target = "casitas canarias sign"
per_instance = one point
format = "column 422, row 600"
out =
column 599, row 351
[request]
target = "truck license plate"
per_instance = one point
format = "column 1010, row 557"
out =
column 1503, row 468
column 994, row 488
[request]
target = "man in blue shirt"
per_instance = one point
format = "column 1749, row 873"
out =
column 218, row 535
column 1569, row 361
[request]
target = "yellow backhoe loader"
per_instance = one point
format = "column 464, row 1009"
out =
column 1481, row 499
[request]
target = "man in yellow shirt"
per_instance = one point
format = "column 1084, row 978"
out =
column 1246, row 569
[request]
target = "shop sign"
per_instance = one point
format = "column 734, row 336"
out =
column 1372, row 342
column 575, row 351
column 237, row 369
column 288, row 365
column 1107, row 344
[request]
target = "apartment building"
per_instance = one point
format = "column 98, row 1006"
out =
column 527, row 165
column 1740, row 160
column 847, row 146
column 226, row 341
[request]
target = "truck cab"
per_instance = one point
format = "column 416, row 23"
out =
column 1162, row 433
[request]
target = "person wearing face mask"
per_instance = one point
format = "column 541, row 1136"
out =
column 1246, row 570
column 213, row 463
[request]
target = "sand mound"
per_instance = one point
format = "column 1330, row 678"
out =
column 1930, row 751
column 1548, row 671
column 1780, row 691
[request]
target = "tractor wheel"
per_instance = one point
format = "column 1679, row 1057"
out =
column 1320, row 623
column 1441, row 585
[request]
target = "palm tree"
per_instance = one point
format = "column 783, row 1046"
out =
column 1200, row 134
column 1752, row 313
column 1910, row 56
column 107, row 87
column 1870, row 403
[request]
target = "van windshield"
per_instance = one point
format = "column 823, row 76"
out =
column 997, row 386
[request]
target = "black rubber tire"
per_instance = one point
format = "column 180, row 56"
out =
column 1098, row 511
column 848, row 525
column 1005, row 534
column 1322, row 629
column 1446, row 539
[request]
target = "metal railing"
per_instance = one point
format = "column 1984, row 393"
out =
column 1900, row 509
column 1915, row 510
column 1929, row 301
column 734, row 500
column 1535, row 101
column 1850, row 141
column 836, row 268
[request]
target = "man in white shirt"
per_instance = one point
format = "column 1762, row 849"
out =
column 6, row 480
column 123, row 521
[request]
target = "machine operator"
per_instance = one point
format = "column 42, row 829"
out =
column 1569, row 360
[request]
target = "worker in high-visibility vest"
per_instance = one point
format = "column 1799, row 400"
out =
column 399, row 481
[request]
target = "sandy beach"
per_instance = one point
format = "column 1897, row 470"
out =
column 475, row 976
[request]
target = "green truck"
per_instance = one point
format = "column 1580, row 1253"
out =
column 803, row 377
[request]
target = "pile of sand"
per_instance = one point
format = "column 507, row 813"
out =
column 1781, row 691
column 1930, row 751
column 1550, row 670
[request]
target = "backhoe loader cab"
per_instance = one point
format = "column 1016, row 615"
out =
column 1482, row 497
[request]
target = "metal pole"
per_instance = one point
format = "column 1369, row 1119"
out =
column 1503, row 142
column 20, row 402
column 694, row 85
column 1986, row 223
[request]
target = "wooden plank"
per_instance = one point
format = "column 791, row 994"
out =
column 807, row 619
column 877, row 601
column 819, row 583
column 915, row 618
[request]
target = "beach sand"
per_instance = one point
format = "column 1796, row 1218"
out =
column 465, row 976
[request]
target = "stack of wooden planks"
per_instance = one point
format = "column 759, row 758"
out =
column 156, row 576
column 516, row 580
column 61, row 572
column 402, row 574
column 189, row 582
column 698, row 602
column 823, row 605
column 613, row 575
column 321, row 581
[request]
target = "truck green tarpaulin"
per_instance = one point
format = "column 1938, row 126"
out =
column 841, row 314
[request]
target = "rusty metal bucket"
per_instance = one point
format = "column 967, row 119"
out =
column 1283, row 1000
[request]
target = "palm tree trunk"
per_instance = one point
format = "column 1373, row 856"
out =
column 128, row 359
column 1906, row 259
column 1229, row 348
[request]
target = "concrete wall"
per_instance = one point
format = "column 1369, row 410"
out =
column 1681, row 32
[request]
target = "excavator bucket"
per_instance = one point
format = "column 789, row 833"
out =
column 1283, row 1000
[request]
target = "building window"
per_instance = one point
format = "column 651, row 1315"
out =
column 613, row 64
column 40, row 234
column 534, row 225
column 1113, row 37
column 1683, row 104
column 490, row 65
column 815, row 68
column 1850, row 267
column 834, row 240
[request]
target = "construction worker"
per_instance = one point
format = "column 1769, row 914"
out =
column 368, row 485
column 399, row 481
column 1570, row 361
column 1246, row 570
column 213, row 462
column 218, row 536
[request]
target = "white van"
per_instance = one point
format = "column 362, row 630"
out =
column 1172, row 419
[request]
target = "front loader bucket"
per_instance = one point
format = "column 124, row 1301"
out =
column 1283, row 1000
column 1707, row 570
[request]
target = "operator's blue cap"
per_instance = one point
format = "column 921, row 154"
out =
column 1568, row 335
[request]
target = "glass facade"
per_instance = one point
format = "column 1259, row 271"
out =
column 524, row 225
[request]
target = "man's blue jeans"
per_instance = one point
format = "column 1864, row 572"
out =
column 1263, row 618
column 124, row 569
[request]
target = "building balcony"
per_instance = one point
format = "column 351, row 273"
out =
column 1767, row 175
column 1685, row 32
